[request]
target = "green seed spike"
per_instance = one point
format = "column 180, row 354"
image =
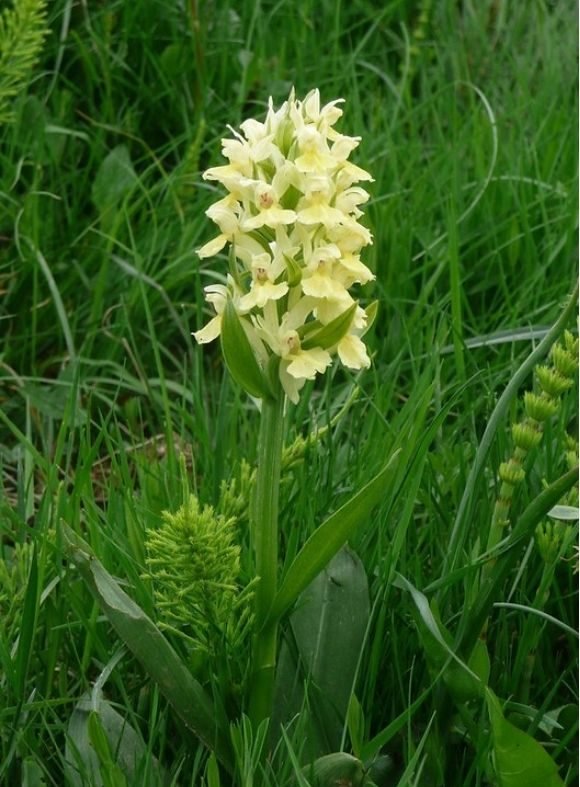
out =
column 511, row 472
column 539, row 407
column 526, row 434
column 565, row 362
column 571, row 344
column 549, row 537
column 552, row 382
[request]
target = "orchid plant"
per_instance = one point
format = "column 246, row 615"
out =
column 290, row 224
column 291, row 221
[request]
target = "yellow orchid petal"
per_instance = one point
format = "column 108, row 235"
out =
column 305, row 364
column 210, row 331
column 352, row 352
column 212, row 247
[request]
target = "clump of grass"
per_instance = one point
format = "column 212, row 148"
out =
column 474, row 216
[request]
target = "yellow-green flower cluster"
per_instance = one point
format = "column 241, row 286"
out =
column 290, row 218
column 194, row 562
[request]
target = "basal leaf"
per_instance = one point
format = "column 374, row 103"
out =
column 153, row 650
column 100, row 739
column 115, row 178
column 320, row 654
column 520, row 761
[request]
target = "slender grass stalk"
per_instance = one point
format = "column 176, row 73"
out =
column 264, row 523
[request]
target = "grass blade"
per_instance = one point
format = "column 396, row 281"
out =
column 326, row 540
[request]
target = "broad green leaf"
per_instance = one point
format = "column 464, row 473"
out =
column 115, row 179
column 327, row 539
column 111, row 773
column 148, row 644
column 320, row 654
column 330, row 334
column 239, row 355
column 32, row 774
column 174, row 60
column 554, row 724
column 100, row 739
column 565, row 513
column 520, row 761
column 435, row 638
column 562, row 719
column 479, row 661
column 335, row 769
column 52, row 401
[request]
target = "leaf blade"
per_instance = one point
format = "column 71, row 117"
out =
column 520, row 761
column 327, row 539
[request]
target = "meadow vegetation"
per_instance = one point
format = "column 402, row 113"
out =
column 110, row 414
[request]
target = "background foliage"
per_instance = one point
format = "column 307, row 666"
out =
column 467, row 113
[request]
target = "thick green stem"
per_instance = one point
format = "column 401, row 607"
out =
column 264, row 517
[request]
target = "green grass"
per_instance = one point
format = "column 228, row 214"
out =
column 468, row 127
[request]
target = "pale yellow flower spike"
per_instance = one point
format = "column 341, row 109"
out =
column 291, row 216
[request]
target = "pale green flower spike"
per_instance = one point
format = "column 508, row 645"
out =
column 291, row 219
column 194, row 564
column 554, row 380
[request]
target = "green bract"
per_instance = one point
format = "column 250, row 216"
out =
column 239, row 356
